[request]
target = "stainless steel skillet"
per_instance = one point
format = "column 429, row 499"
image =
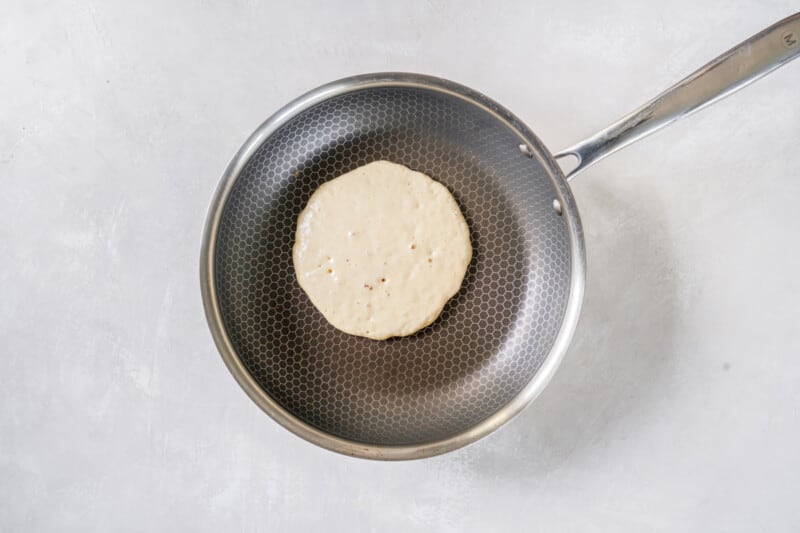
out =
column 501, row 338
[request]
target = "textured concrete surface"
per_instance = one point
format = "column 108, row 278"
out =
column 676, row 409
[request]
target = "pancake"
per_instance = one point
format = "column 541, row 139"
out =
column 381, row 249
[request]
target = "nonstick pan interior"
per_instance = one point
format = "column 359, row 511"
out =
column 491, row 338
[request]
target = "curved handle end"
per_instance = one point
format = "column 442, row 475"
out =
column 736, row 68
column 569, row 170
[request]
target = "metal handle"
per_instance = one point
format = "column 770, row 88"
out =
column 739, row 66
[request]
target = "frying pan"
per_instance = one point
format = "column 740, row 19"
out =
column 501, row 338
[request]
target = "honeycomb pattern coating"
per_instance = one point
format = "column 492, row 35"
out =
column 491, row 337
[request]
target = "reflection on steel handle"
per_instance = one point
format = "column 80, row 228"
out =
column 739, row 66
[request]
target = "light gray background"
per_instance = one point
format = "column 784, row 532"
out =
column 676, row 409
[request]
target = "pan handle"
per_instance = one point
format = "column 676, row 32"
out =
column 736, row 68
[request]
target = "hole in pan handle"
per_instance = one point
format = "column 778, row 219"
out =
column 741, row 65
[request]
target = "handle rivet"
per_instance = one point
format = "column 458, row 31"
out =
column 525, row 149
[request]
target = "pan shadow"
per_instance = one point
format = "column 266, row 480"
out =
column 622, row 349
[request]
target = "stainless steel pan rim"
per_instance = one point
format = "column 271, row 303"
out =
column 533, row 147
